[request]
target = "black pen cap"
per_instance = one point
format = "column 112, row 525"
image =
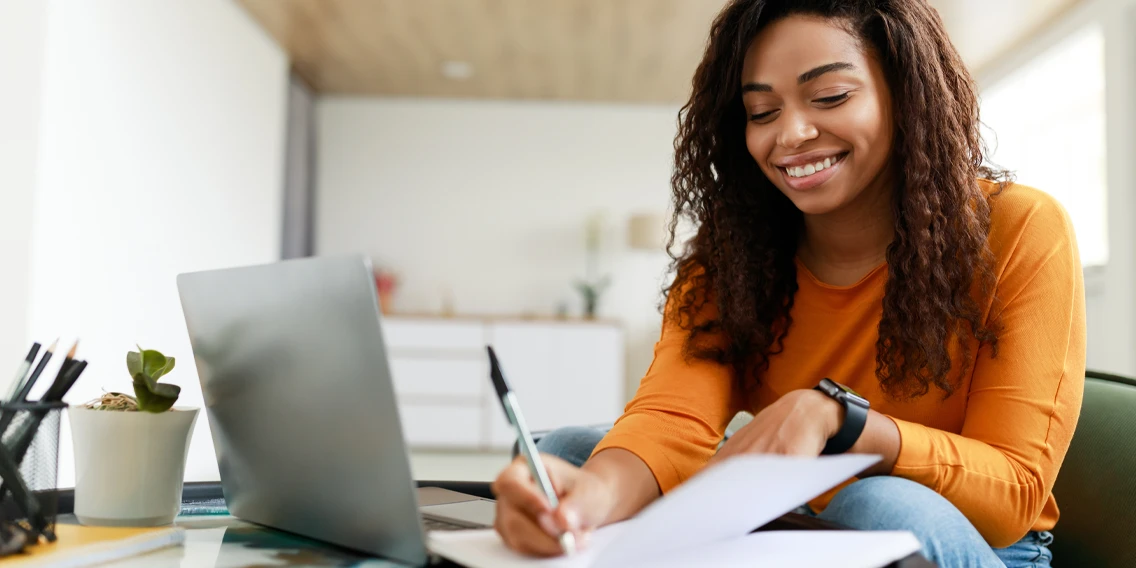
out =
column 495, row 374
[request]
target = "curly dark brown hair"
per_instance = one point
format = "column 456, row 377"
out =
column 742, row 256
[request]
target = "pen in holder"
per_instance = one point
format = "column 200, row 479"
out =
column 29, row 466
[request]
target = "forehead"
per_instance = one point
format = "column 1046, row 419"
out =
column 795, row 44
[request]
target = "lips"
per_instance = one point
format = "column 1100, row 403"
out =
column 805, row 163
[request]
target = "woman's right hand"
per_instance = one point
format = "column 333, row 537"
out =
column 528, row 524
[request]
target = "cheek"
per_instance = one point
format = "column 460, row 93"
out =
column 873, row 130
column 759, row 142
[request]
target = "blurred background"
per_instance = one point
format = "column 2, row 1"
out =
column 504, row 163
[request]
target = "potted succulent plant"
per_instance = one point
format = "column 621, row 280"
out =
column 592, row 286
column 130, row 450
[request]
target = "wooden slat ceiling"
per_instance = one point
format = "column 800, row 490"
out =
column 586, row 50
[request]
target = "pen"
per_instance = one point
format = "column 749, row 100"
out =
column 526, row 444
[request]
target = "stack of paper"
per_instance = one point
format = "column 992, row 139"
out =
column 707, row 521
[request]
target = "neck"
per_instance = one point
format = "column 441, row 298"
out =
column 855, row 236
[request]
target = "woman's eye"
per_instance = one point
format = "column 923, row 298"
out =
column 832, row 100
column 762, row 116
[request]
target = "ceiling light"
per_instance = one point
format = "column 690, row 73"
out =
column 457, row 70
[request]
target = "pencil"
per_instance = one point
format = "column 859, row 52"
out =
column 22, row 371
column 7, row 417
column 60, row 377
column 70, row 355
column 27, row 388
column 73, row 372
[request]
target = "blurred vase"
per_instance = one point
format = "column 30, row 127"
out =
column 386, row 283
column 386, row 300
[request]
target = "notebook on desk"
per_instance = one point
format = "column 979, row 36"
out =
column 77, row 546
column 707, row 521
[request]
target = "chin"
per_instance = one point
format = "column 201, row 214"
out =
column 815, row 202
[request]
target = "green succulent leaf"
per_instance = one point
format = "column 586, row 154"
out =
column 149, row 362
column 165, row 370
column 154, row 364
column 134, row 362
column 154, row 396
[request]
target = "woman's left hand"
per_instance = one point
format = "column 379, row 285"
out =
column 798, row 424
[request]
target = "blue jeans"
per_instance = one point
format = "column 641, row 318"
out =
column 878, row 503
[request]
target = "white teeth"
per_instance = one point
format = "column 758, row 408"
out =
column 810, row 169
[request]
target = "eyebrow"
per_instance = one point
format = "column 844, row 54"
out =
column 803, row 78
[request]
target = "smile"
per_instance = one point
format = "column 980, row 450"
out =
column 812, row 175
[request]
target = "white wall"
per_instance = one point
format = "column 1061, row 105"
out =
column 23, row 29
column 488, row 201
column 1110, row 289
column 161, row 152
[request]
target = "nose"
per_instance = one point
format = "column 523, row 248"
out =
column 796, row 129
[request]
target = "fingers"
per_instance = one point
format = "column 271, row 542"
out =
column 586, row 506
column 726, row 450
column 562, row 474
column 525, row 520
column 522, row 533
column 770, row 440
column 516, row 484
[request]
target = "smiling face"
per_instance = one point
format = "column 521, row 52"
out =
column 819, row 114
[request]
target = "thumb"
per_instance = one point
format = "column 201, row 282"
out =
column 561, row 473
column 582, row 497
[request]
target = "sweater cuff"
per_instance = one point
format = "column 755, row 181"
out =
column 661, row 467
column 916, row 454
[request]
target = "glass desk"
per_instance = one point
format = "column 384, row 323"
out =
column 222, row 541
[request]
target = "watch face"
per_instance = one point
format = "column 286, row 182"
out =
column 855, row 395
column 835, row 389
column 830, row 387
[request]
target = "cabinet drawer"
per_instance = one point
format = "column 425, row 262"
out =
column 441, row 426
column 440, row 377
column 434, row 336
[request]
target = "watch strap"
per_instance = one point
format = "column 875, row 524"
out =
column 855, row 418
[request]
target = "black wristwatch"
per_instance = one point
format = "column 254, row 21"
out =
column 855, row 416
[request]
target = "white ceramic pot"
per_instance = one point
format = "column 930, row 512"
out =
column 129, row 466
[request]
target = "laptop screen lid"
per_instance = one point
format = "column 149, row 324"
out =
column 300, row 402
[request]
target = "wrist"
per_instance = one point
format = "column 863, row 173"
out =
column 622, row 485
column 830, row 411
column 853, row 418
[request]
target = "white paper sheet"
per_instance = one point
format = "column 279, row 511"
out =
column 729, row 500
column 484, row 549
column 721, row 504
column 800, row 549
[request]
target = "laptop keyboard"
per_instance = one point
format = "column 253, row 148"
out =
column 437, row 525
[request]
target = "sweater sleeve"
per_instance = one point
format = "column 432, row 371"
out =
column 1024, row 402
column 679, row 413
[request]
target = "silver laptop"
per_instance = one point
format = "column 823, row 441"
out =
column 302, row 408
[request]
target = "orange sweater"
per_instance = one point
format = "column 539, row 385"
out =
column 993, row 448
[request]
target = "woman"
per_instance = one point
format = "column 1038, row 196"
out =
column 847, row 229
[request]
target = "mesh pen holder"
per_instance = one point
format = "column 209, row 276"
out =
column 29, row 467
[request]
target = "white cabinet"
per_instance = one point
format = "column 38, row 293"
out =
column 564, row 373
